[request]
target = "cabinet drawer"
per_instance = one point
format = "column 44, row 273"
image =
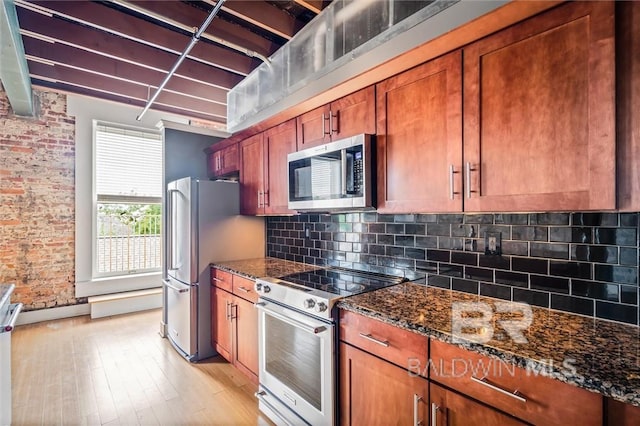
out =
column 243, row 287
column 539, row 400
column 221, row 279
column 401, row 347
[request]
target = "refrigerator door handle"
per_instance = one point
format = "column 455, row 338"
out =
column 170, row 242
column 176, row 288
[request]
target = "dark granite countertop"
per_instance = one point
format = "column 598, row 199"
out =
column 597, row 355
column 264, row 267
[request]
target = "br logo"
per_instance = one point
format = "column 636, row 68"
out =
column 474, row 321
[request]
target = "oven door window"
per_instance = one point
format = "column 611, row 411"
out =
column 293, row 356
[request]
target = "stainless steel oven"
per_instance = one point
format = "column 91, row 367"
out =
column 334, row 176
column 296, row 366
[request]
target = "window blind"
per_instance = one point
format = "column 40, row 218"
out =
column 128, row 164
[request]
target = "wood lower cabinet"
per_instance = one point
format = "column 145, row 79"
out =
column 449, row 408
column 539, row 113
column 344, row 117
column 375, row 392
column 419, row 139
column 234, row 327
column 263, row 175
column 621, row 414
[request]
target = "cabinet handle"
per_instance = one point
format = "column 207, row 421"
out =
column 221, row 162
column 259, row 200
column 452, row 172
column 332, row 129
column 469, row 170
column 434, row 414
column 515, row 394
column 233, row 306
column 324, row 130
column 416, row 399
column 227, row 312
column 244, row 289
column 265, row 199
column 218, row 280
column 370, row 338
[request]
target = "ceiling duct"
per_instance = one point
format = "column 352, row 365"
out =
column 346, row 39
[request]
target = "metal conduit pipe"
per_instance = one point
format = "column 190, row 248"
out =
column 194, row 40
column 217, row 40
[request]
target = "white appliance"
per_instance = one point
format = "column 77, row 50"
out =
column 203, row 226
column 8, row 317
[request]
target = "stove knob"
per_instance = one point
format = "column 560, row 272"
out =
column 258, row 286
column 309, row 303
column 321, row 307
column 266, row 288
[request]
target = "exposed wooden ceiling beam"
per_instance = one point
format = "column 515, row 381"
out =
column 106, row 19
column 99, row 42
column 263, row 15
column 315, row 6
column 108, row 85
column 60, row 54
column 191, row 16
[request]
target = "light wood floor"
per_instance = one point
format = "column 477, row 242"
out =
column 118, row 370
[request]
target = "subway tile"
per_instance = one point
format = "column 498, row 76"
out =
column 495, row 290
column 359, row 227
column 515, row 248
column 386, row 239
column 629, row 294
column 339, row 236
column 553, row 284
column 616, row 274
column 439, row 281
column 560, row 234
column 415, row 253
column 478, row 218
column 439, row 255
column 359, row 248
column 450, row 270
column 377, row 228
column 549, row 218
column 629, row 256
column 376, row 249
column 464, row 258
column 450, row 218
column 530, row 233
column 570, row 269
column 616, row 312
column 369, row 217
column 353, row 257
column 405, row 240
column 466, row 286
column 595, row 290
column 340, row 218
column 616, row 236
column 345, row 227
column 427, row 242
column 576, row 305
column 600, row 254
column 537, row 266
column 427, row 266
column 405, row 218
column 504, row 230
column 385, row 217
column 511, row 219
column 496, row 262
column 512, row 278
column 438, row 229
column 427, row 218
column 629, row 219
column 368, row 238
column 464, row 230
column 446, row 243
column 405, row 263
column 595, row 219
column 532, row 297
column 581, row 235
column 394, row 251
column 395, row 228
column 415, row 229
column 479, row 274
column 554, row 251
column 353, row 217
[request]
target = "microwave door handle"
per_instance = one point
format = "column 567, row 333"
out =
column 343, row 164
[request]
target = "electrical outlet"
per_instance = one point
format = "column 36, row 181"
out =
column 493, row 243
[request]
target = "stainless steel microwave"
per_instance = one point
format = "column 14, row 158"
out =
column 333, row 177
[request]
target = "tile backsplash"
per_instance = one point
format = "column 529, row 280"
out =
column 585, row 263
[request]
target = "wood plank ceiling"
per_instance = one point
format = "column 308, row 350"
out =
column 122, row 50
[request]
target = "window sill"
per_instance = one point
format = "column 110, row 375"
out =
column 108, row 285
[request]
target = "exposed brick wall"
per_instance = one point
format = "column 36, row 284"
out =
column 37, row 202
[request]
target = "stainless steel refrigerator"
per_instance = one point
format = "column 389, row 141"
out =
column 203, row 226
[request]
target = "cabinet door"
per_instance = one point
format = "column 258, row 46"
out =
column 279, row 141
column 229, row 160
column 539, row 129
column 246, row 337
column 212, row 164
column 353, row 114
column 313, row 128
column 375, row 392
column 252, row 175
column 419, row 141
column 221, row 302
column 449, row 408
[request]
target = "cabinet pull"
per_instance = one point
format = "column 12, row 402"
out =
column 244, row 289
column 233, row 306
column 259, row 199
column 227, row 312
column 370, row 338
column 416, row 399
column 265, row 199
column 332, row 129
column 469, row 170
column 434, row 414
column 324, row 130
column 452, row 172
column 218, row 280
column 515, row 394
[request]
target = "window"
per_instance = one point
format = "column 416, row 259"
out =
column 128, row 189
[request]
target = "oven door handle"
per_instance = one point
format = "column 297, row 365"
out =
column 305, row 327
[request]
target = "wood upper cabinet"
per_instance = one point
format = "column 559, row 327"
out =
column 223, row 161
column 347, row 116
column 375, row 392
column 449, row 408
column 279, row 142
column 263, row 176
column 539, row 124
column 419, row 140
